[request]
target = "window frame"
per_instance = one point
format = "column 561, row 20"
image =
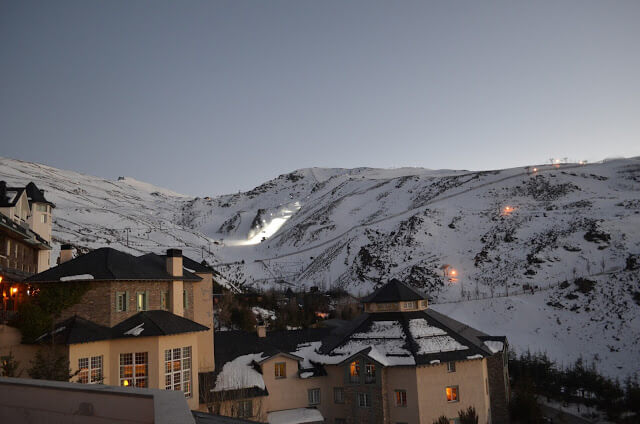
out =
column 242, row 408
column 369, row 373
column 93, row 372
column 179, row 377
column 339, row 399
column 164, row 300
column 280, row 370
column 311, row 396
column 367, row 400
column 125, row 301
column 354, row 372
column 411, row 304
column 451, row 366
column 455, row 394
column 137, row 363
column 145, row 303
column 401, row 398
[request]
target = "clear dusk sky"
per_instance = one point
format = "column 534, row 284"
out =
column 211, row 97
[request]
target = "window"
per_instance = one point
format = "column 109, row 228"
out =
column 451, row 367
column 41, row 208
column 338, row 395
column 314, row 396
column 122, row 301
column 281, row 370
column 370, row 373
column 185, row 299
column 134, row 369
column 364, row 400
column 142, row 301
column 401, row 398
column 43, row 219
column 409, row 305
column 90, row 370
column 452, row 393
column 354, row 372
column 164, row 300
column 385, row 306
column 177, row 370
column 245, row 409
column 454, row 420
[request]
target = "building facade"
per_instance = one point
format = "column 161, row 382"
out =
column 142, row 321
column 399, row 362
column 25, row 242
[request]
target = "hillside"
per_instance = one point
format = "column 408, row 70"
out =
column 354, row 228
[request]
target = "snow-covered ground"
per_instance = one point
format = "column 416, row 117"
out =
column 356, row 228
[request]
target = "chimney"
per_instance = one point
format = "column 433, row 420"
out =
column 66, row 253
column 176, row 287
column 261, row 329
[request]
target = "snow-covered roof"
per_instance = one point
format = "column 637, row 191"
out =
column 240, row 374
column 295, row 416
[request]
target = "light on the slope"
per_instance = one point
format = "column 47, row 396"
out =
column 535, row 169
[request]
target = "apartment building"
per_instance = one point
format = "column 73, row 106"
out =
column 399, row 362
column 142, row 321
column 25, row 237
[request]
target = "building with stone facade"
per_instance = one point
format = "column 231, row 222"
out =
column 141, row 321
column 25, row 242
column 399, row 362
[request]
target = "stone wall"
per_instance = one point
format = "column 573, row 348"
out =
column 498, row 388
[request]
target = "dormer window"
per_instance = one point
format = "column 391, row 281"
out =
column 409, row 305
column 354, row 372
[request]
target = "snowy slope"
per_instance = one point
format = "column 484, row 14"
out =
column 356, row 228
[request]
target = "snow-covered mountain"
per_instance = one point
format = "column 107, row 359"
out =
column 501, row 231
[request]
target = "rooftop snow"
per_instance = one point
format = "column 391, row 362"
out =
column 135, row 331
column 295, row 416
column 421, row 328
column 240, row 374
column 79, row 277
column 494, row 346
column 437, row 344
column 381, row 329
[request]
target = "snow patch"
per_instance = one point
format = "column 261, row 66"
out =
column 476, row 356
column 135, row 331
column 79, row 277
column 295, row 416
column 240, row 374
column 494, row 346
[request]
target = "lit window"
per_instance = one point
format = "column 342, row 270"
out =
column 314, row 396
column 90, row 370
column 142, row 301
column 370, row 373
column 364, row 400
column 338, row 395
column 409, row 305
column 401, row 398
column 134, row 369
column 451, row 367
column 354, row 372
column 177, row 370
column 245, row 409
column 452, row 393
column 281, row 370
column 43, row 219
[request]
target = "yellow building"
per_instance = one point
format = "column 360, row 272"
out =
column 399, row 362
column 142, row 321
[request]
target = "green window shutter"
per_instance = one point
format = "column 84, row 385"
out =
column 185, row 299
column 127, row 296
column 117, row 301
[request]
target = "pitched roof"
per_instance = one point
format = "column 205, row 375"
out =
column 36, row 196
column 76, row 330
column 189, row 265
column 394, row 291
column 107, row 264
column 155, row 323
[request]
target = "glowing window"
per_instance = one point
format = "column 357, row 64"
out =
column 90, row 370
column 134, row 369
column 401, row 398
column 177, row 369
column 452, row 393
column 354, row 372
column 281, row 370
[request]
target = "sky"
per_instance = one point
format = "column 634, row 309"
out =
column 212, row 97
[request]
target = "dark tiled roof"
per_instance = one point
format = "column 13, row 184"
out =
column 460, row 332
column 107, row 264
column 76, row 330
column 394, row 291
column 36, row 196
column 190, row 264
column 155, row 323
